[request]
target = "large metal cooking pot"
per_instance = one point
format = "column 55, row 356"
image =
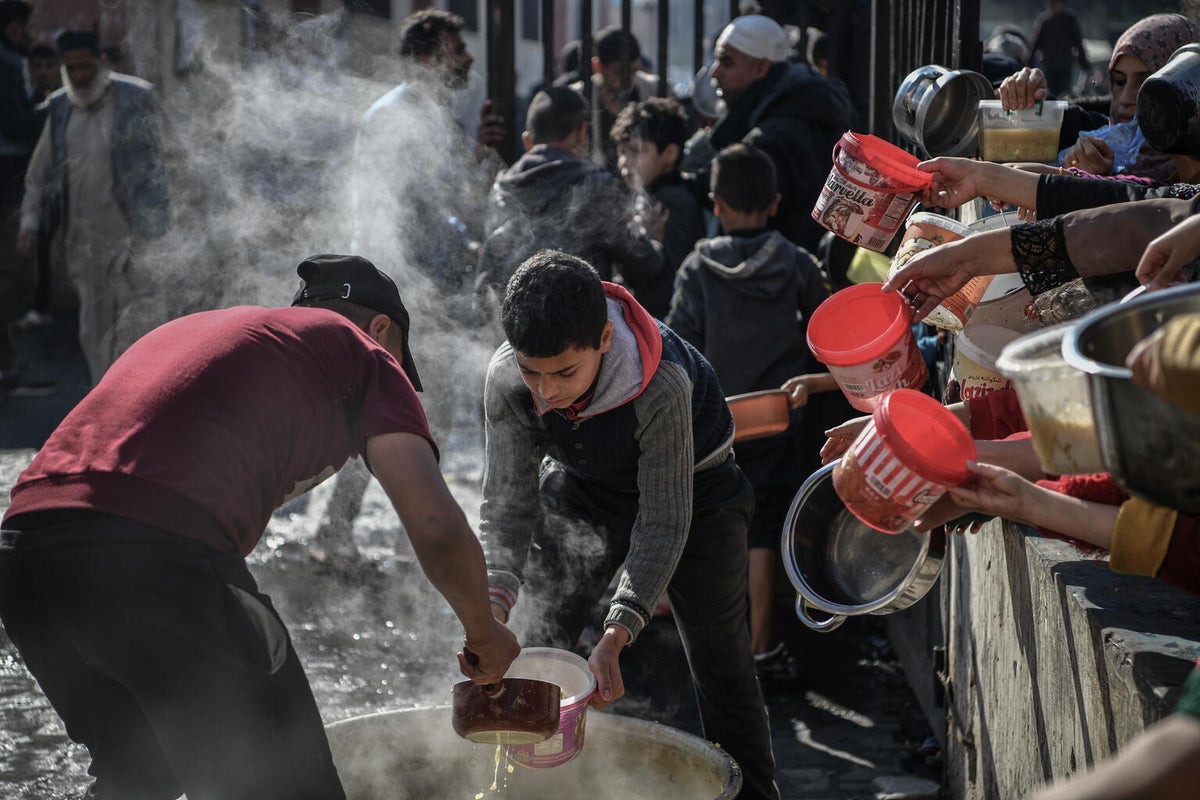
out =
column 937, row 109
column 1151, row 447
column 843, row 567
column 413, row 754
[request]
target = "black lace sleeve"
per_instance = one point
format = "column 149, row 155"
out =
column 1040, row 252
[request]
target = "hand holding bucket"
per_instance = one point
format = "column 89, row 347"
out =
column 865, row 339
column 903, row 461
column 870, row 189
column 933, row 275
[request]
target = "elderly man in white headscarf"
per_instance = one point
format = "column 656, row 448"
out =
column 789, row 110
column 99, row 155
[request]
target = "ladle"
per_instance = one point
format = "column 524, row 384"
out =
column 514, row 711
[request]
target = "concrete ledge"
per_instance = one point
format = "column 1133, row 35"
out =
column 1053, row 661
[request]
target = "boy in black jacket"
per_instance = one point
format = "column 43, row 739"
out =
column 743, row 299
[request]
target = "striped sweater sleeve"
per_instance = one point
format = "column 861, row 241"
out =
column 665, row 481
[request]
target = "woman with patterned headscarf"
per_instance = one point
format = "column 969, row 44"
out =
column 1141, row 50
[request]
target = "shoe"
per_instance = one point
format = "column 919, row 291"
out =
column 13, row 384
column 776, row 664
column 33, row 319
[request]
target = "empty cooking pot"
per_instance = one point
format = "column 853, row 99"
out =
column 759, row 414
column 1168, row 104
column 1151, row 447
column 514, row 711
column 937, row 109
column 842, row 567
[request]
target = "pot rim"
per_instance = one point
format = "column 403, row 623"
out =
column 1071, row 342
column 928, row 553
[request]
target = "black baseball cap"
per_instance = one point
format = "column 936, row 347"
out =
column 357, row 280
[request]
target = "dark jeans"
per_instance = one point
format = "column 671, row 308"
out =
column 581, row 540
column 164, row 660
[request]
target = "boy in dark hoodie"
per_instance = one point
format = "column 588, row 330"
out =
column 743, row 299
column 609, row 452
column 552, row 198
column 650, row 136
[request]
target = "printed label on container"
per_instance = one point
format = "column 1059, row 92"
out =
column 880, row 489
column 902, row 367
column 863, row 216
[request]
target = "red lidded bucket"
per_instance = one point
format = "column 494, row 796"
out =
column 870, row 190
column 865, row 339
column 903, row 461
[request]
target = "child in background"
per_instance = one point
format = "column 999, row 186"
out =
column 650, row 136
column 743, row 299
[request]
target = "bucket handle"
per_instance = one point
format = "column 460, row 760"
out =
column 871, row 188
column 821, row 626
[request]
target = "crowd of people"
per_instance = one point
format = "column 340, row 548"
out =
column 643, row 259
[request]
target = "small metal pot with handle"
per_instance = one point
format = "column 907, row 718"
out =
column 843, row 567
column 937, row 109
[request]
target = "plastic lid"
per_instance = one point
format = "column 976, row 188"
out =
column 925, row 436
column 857, row 325
column 887, row 159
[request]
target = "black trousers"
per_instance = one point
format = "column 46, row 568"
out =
column 581, row 540
column 164, row 660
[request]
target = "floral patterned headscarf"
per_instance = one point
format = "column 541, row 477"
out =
column 1154, row 38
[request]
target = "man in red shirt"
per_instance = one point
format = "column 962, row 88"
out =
column 122, row 575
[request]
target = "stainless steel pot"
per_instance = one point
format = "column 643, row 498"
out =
column 937, row 109
column 842, row 567
column 1149, row 446
column 1168, row 104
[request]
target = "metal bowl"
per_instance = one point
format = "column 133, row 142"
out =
column 844, row 567
column 1149, row 446
column 759, row 414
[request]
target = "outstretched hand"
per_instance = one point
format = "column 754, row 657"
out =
column 954, row 181
column 484, row 660
column 1165, row 256
column 993, row 490
column 1023, row 89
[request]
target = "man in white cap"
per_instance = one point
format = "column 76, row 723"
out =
column 789, row 110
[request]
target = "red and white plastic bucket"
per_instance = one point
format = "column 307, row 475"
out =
column 865, row 339
column 870, row 190
column 903, row 461
column 576, row 682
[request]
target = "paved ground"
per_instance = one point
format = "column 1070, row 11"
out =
column 848, row 728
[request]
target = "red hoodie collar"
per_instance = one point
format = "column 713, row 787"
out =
column 649, row 342
column 644, row 327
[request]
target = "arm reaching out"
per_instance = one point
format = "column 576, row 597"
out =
column 1168, row 254
column 445, row 545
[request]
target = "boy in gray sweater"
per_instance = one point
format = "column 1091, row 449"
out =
column 609, row 451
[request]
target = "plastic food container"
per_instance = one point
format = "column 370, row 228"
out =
column 1027, row 134
column 865, row 339
column 925, row 230
column 759, row 414
column 976, row 349
column 1056, row 402
column 870, row 190
column 576, row 682
column 902, row 461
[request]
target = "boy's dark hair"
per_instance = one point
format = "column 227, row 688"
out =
column 552, row 303
column 744, row 178
column 609, row 41
column 660, row 120
column 14, row 11
column 554, row 114
column 43, row 50
column 421, row 32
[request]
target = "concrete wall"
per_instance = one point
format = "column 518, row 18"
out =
column 1053, row 661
